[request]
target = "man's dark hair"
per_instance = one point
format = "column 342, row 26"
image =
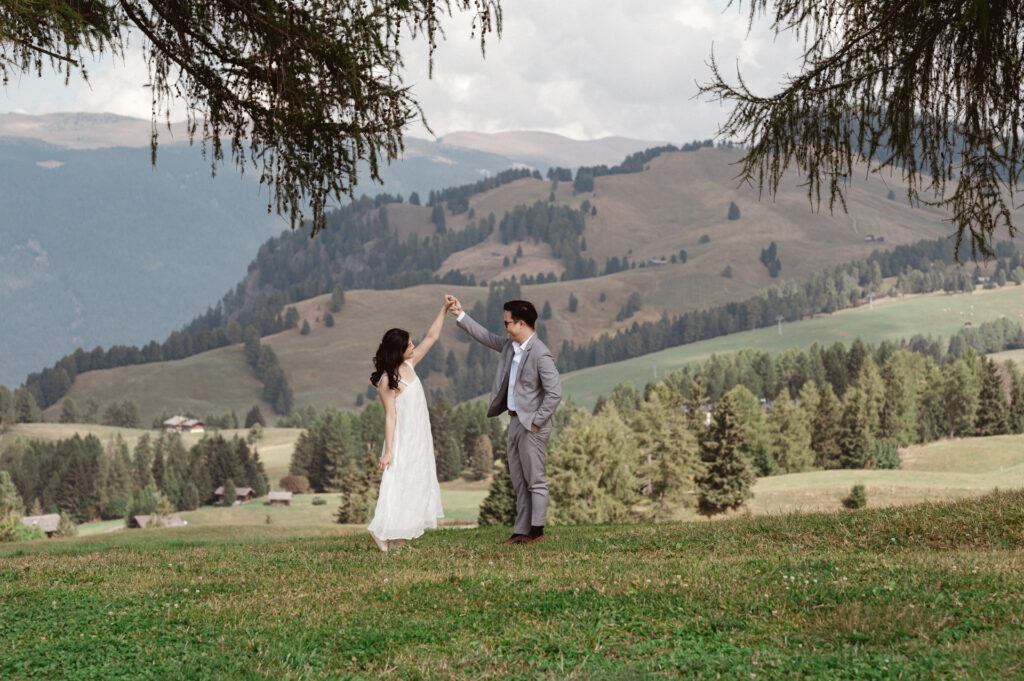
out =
column 523, row 311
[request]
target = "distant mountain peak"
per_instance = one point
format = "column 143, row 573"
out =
column 81, row 130
column 526, row 144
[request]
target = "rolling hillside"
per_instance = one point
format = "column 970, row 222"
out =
column 330, row 366
column 679, row 202
column 892, row 319
column 669, row 207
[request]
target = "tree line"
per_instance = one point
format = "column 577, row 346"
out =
column 832, row 289
column 701, row 437
column 88, row 481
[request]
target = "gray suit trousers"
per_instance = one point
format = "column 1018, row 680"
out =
column 526, row 453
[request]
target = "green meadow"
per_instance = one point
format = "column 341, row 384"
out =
column 890, row 319
column 928, row 591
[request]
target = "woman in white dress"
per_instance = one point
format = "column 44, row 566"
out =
column 410, row 498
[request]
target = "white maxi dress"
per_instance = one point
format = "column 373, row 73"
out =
column 410, row 498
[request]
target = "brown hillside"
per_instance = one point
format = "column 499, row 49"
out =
column 653, row 214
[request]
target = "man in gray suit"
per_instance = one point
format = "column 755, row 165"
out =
column 527, row 386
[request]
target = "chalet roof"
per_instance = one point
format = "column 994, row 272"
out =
column 47, row 523
column 280, row 496
column 239, row 491
column 175, row 421
column 174, row 520
column 192, row 423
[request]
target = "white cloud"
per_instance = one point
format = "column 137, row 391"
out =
column 585, row 69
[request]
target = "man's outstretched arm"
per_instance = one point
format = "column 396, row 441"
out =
column 476, row 331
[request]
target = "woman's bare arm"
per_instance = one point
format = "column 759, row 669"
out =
column 387, row 398
column 433, row 333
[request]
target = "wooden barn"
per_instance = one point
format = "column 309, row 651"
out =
column 280, row 498
column 47, row 523
column 242, row 494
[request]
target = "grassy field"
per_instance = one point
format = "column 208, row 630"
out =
column 460, row 508
column 891, row 319
column 931, row 591
column 943, row 470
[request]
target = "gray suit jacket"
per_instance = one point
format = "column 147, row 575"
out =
column 538, row 390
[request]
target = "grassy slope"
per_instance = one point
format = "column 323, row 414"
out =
column 654, row 213
column 892, row 319
column 933, row 591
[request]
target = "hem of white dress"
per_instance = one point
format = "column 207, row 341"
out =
column 405, row 533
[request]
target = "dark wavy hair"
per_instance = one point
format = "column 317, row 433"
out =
column 389, row 357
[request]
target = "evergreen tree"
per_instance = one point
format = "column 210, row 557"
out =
column 482, row 458
column 142, row 462
column 26, row 410
column 693, row 408
column 590, row 469
column 626, row 400
column 734, row 211
column 872, row 388
column 305, row 327
column 68, row 411
column 727, row 478
column 230, row 494
column 254, row 416
column 189, row 497
column 790, row 429
column 755, row 438
column 573, row 303
column 337, row 299
column 669, row 456
column 499, row 507
column 856, row 444
column 1016, row 418
column 252, row 346
column 92, row 409
column 65, row 528
column 993, row 411
column 143, row 501
column 358, row 491
column 158, row 467
column 10, row 499
column 825, row 429
column 120, row 477
column 447, row 451
column 546, row 312
column 899, row 414
column 959, row 397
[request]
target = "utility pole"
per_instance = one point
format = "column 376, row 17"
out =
column 779, row 319
column 654, row 367
column 871, row 300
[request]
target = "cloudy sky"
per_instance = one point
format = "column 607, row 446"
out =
column 584, row 69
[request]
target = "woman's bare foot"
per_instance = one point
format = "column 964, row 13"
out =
column 381, row 544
